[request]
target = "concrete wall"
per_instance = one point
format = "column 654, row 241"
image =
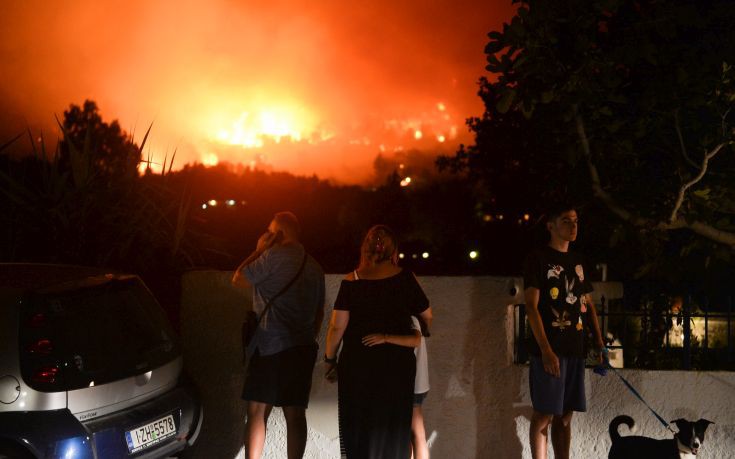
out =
column 478, row 406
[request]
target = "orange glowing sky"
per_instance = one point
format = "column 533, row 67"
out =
column 319, row 86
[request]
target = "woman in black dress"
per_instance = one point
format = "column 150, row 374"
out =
column 372, row 320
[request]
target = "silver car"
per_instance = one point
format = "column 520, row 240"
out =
column 89, row 368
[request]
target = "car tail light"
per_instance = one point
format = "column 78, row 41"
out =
column 40, row 347
column 46, row 375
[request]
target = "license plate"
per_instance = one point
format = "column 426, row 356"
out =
column 150, row 434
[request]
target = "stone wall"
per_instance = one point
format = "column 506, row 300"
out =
column 478, row 406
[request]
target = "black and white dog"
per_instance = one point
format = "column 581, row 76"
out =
column 684, row 445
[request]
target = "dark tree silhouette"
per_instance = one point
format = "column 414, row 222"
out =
column 626, row 104
column 113, row 154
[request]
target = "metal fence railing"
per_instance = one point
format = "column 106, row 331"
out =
column 695, row 336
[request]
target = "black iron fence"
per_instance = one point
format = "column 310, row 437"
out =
column 685, row 334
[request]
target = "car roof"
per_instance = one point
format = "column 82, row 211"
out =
column 38, row 276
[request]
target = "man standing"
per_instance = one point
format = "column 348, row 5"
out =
column 559, row 309
column 283, row 350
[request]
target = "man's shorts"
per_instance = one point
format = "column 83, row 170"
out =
column 552, row 395
column 281, row 379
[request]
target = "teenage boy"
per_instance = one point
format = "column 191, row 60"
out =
column 559, row 308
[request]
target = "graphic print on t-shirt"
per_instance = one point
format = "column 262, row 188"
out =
column 580, row 272
column 554, row 271
column 571, row 298
column 563, row 285
column 562, row 320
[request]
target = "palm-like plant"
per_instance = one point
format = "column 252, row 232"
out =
column 82, row 204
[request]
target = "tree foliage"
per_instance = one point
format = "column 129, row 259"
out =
column 85, row 204
column 627, row 103
column 113, row 154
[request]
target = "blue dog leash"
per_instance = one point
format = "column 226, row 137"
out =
column 602, row 371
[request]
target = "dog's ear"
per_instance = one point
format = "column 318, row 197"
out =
column 703, row 424
column 680, row 423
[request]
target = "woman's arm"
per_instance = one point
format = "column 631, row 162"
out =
column 375, row 339
column 337, row 325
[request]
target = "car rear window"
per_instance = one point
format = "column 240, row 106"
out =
column 93, row 335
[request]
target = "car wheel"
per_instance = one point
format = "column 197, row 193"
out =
column 13, row 451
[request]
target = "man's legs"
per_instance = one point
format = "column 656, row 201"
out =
column 258, row 413
column 295, row 431
column 539, row 434
column 561, row 435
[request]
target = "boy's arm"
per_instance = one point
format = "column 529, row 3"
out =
column 548, row 357
column 594, row 323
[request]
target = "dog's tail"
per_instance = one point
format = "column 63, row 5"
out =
column 623, row 419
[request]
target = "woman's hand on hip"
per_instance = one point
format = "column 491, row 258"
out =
column 374, row 339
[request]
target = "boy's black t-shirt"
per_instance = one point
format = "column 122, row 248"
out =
column 561, row 280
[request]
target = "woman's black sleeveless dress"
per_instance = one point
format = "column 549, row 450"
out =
column 375, row 384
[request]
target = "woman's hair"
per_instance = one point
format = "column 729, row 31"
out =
column 380, row 244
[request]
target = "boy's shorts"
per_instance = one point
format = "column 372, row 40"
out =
column 552, row 395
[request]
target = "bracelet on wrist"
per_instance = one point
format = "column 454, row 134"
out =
column 332, row 361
